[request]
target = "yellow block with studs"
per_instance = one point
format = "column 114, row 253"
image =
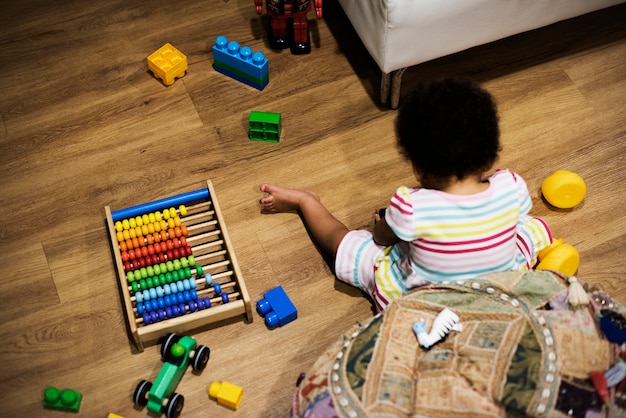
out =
column 167, row 63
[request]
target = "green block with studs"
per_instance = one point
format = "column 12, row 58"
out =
column 264, row 126
column 67, row 399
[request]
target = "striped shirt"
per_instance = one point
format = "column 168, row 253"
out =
column 458, row 237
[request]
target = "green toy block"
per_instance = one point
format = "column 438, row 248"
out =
column 68, row 399
column 264, row 126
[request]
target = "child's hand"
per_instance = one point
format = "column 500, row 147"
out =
column 380, row 214
column 383, row 235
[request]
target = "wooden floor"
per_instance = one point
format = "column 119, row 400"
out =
column 84, row 125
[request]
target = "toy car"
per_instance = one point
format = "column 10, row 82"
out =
column 177, row 353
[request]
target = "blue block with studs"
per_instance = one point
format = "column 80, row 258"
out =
column 240, row 63
column 277, row 308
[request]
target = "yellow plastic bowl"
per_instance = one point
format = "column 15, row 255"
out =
column 563, row 258
column 564, row 189
column 555, row 243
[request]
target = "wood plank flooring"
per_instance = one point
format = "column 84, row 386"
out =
column 83, row 125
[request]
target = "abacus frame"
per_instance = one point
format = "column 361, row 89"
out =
column 143, row 335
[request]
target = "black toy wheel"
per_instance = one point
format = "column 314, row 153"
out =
column 175, row 406
column 166, row 347
column 200, row 358
column 140, row 397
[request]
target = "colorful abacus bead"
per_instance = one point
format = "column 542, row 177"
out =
column 165, row 290
column 147, row 234
column 166, row 301
column 136, row 260
column 157, row 269
column 150, row 218
column 143, row 283
column 175, row 310
column 204, row 303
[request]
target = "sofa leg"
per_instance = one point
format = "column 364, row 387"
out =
column 390, row 86
column 396, row 84
column 385, row 86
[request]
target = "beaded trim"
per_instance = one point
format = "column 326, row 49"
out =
column 546, row 390
column 551, row 381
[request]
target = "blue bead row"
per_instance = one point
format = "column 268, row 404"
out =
column 179, row 309
column 175, row 310
column 167, row 301
column 165, row 290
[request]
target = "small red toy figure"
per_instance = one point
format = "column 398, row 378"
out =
column 288, row 15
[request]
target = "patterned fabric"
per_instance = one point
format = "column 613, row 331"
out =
column 516, row 355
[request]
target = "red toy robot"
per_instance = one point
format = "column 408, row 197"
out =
column 290, row 15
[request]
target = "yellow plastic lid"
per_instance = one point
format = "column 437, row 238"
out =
column 564, row 189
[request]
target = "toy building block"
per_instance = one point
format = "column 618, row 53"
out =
column 240, row 63
column 67, row 400
column 167, row 63
column 226, row 394
column 264, row 126
column 277, row 308
column 112, row 415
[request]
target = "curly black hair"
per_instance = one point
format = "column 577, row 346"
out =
column 448, row 128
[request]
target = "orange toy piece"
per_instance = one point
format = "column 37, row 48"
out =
column 564, row 189
column 560, row 257
column 167, row 63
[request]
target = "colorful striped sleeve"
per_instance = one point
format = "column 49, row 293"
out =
column 400, row 214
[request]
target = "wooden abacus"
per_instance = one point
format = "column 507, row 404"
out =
column 176, row 267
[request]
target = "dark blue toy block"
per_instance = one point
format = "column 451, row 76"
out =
column 240, row 63
column 277, row 308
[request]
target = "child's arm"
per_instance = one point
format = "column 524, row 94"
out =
column 383, row 235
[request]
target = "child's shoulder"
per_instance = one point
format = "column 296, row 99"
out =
column 506, row 173
column 507, row 179
column 501, row 172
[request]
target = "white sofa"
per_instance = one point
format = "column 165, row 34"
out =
column 402, row 33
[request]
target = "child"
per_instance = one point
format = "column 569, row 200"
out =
column 457, row 226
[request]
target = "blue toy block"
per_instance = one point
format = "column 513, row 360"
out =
column 277, row 308
column 240, row 63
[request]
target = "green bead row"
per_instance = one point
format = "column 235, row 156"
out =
column 165, row 278
column 157, row 269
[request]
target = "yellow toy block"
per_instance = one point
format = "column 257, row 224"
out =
column 167, row 63
column 112, row 415
column 226, row 394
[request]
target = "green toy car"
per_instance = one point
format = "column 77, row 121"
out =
column 177, row 353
